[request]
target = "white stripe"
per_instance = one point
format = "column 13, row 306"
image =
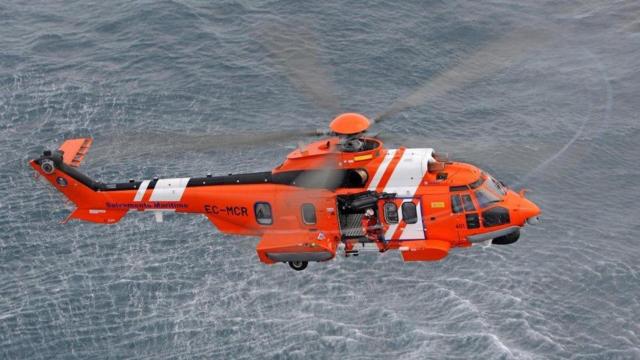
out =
column 390, row 231
column 409, row 172
column 141, row 190
column 169, row 189
column 382, row 169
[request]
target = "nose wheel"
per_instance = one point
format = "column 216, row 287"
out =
column 298, row 265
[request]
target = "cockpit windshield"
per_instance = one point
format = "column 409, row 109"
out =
column 486, row 198
column 489, row 191
column 495, row 186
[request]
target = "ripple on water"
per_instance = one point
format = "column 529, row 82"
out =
column 180, row 289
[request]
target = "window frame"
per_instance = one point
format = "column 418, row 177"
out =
column 473, row 219
column 385, row 212
column 415, row 208
column 476, row 184
column 472, row 206
column 304, row 218
column 483, row 192
column 494, row 186
column 456, row 208
column 495, row 216
column 255, row 213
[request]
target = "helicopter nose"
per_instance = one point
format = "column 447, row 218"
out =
column 528, row 211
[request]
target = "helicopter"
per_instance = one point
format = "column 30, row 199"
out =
column 371, row 198
column 346, row 192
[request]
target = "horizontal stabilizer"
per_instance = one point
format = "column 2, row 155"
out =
column 100, row 216
column 74, row 150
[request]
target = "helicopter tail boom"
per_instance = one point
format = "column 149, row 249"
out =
column 59, row 168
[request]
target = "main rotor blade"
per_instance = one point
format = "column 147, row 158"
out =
column 328, row 175
column 295, row 49
column 497, row 55
column 165, row 141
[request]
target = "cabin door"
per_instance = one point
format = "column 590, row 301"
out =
column 441, row 222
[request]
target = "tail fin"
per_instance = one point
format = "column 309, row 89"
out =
column 74, row 150
column 59, row 168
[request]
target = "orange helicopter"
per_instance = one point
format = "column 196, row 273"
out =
column 346, row 192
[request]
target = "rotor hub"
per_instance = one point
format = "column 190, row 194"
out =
column 349, row 124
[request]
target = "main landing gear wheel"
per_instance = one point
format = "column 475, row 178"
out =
column 298, row 265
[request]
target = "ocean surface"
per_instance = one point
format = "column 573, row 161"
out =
column 162, row 85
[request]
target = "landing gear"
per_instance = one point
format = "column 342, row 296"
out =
column 348, row 253
column 507, row 239
column 298, row 265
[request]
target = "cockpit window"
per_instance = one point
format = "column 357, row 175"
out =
column 486, row 198
column 495, row 216
column 456, row 204
column 468, row 204
column 495, row 186
column 477, row 183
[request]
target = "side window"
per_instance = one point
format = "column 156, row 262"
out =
column 409, row 213
column 262, row 210
column 473, row 222
column 468, row 203
column 495, row 216
column 456, row 204
column 390, row 213
column 309, row 214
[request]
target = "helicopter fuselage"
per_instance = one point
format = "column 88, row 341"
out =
column 319, row 200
